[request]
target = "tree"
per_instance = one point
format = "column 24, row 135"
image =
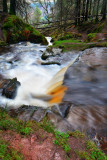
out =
column 5, row 9
column 87, row 8
column 104, row 8
column 79, row 9
column 23, row 9
column 83, row 9
column 98, row 2
column 90, row 9
column 37, row 15
column 13, row 7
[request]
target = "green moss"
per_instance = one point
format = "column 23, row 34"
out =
column 61, row 42
column 6, row 122
column 92, row 152
column 68, row 45
column 72, row 44
column 101, row 44
column 2, row 43
column 91, row 37
column 76, row 134
column 67, row 36
column 8, row 153
column 15, row 30
column 62, row 140
column 98, row 28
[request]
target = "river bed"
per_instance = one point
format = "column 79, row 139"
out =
column 83, row 74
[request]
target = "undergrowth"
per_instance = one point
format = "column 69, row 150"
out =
column 91, row 153
column 7, row 123
column 61, row 139
column 8, row 153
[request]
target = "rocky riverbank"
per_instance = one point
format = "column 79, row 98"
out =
column 82, row 108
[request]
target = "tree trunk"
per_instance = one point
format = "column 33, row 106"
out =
column 79, row 8
column 98, row 2
column 94, row 8
column 90, row 11
column 5, row 6
column 76, row 12
column 87, row 8
column 83, row 9
column 13, row 7
column 104, row 7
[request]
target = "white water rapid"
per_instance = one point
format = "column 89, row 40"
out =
column 24, row 62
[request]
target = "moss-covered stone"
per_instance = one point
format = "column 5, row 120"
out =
column 2, row 43
column 15, row 30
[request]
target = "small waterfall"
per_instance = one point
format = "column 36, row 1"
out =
column 37, row 82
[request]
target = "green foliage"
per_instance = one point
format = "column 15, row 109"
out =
column 70, row 36
column 62, row 140
column 67, row 36
column 8, row 153
column 91, row 153
column 101, row 44
column 56, row 43
column 98, row 28
column 91, row 36
column 76, row 134
column 6, row 122
column 2, row 43
column 47, row 126
column 37, row 15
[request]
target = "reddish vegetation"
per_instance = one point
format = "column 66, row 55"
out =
column 38, row 146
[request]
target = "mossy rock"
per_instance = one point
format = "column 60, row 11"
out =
column 15, row 30
column 2, row 43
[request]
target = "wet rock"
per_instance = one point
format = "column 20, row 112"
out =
column 26, row 113
column 50, row 63
column 10, row 88
column 90, row 119
column 60, row 124
column 3, row 82
column 46, row 55
column 62, row 109
column 95, row 57
column 65, row 108
column 85, row 86
column 39, row 114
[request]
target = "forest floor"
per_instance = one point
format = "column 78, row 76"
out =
column 87, row 35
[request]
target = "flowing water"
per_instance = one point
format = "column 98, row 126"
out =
column 24, row 62
column 83, row 83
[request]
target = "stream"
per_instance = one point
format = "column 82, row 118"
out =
column 80, row 82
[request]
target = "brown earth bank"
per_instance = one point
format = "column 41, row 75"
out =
column 80, row 32
column 40, row 145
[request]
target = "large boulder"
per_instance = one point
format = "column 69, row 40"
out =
column 15, row 30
